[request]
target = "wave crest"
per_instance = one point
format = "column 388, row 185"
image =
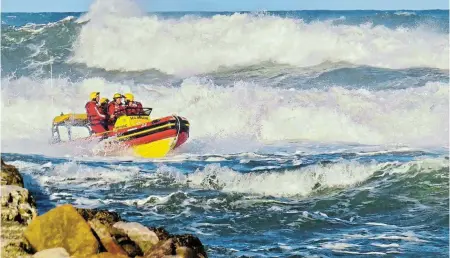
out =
column 303, row 181
column 190, row 45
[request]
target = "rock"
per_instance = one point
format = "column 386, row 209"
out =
column 161, row 249
column 10, row 175
column 105, row 237
column 17, row 210
column 161, row 233
column 141, row 235
column 62, row 227
column 184, row 252
column 105, row 217
column 191, row 242
column 12, row 241
column 107, row 255
column 130, row 247
column 63, row 231
column 58, row 252
column 17, row 204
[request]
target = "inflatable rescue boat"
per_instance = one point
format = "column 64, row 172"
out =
column 145, row 137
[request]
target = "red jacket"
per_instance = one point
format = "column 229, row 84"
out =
column 95, row 115
column 115, row 109
column 104, row 108
column 133, row 108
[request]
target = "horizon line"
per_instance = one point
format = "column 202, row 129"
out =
column 210, row 11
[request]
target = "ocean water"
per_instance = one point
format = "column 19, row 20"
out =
column 313, row 133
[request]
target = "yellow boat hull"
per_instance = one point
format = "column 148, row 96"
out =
column 157, row 149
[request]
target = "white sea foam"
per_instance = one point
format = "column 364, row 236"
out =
column 245, row 113
column 338, row 246
column 289, row 183
column 294, row 182
column 119, row 37
column 404, row 13
column 385, row 245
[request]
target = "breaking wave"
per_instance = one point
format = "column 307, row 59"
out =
column 302, row 181
column 127, row 40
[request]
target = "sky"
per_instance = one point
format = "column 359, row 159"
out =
column 227, row 5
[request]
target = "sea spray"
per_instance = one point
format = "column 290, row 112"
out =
column 246, row 111
column 115, row 40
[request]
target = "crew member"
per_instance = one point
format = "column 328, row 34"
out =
column 115, row 109
column 132, row 107
column 104, row 105
column 95, row 116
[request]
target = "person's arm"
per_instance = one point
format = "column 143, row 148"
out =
column 139, row 109
column 88, row 110
column 98, row 112
column 111, row 110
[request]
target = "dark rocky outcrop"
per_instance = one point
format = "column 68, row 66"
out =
column 160, row 232
column 66, row 231
column 130, row 247
column 10, row 175
column 105, row 217
column 190, row 241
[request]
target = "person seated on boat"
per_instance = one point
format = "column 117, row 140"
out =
column 96, row 118
column 115, row 110
column 104, row 105
column 104, row 109
column 132, row 107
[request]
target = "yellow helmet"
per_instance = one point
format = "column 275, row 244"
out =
column 117, row 96
column 129, row 97
column 104, row 100
column 94, row 95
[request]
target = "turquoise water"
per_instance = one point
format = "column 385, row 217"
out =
column 314, row 133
